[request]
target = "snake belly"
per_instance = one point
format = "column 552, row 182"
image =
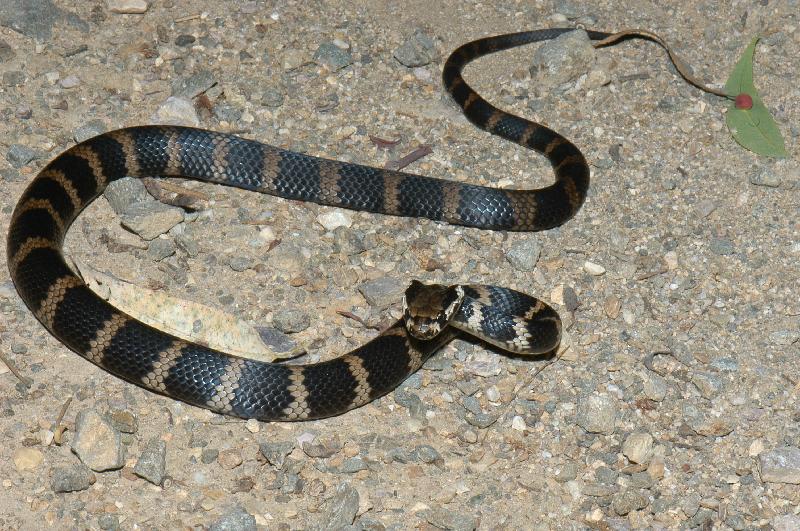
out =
column 245, row 388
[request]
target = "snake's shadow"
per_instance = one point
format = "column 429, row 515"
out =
column 544, row 356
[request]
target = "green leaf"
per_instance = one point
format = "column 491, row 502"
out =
column 754, row 128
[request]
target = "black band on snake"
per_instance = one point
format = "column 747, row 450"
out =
column 246, row 388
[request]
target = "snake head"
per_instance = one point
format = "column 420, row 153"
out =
column 428, row 308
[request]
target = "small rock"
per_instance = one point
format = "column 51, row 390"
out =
column 524, row 254
column 7, row 53
column 342, row 508
column 124, row 192
column 236, row 519
column 597, row 414
column 293, row 59
column 160, row 248
column 27, row 459
column 240, row 263
column 638, row 447
column 152, row 462
column 19, row 155
column 766, row 177
column 593, row 269
column 91, row 129
column 291, row 321
column 447, row 519
column 708, row 384
column 417, row 50
column 36, row 18
column 630, row 500
column 786, row 522
column 127, row 7
column 568, row 472
column 71, row 478
column 272, row 97
column 69, row 82
column 176, row 111
column 230, row 458
column 252, row 426
column 184, row 39
column 333, row 57
column 427, row 454
column 382, row 292
column 721, row 246
column 276, row 340
column 150, row 219
column 655, row 387
column 334, row 219
column 275, row 452
column 197, row 83
column 518, row 423
column 353, row 465
column 97, row 443
column 781, row 465
column 562, row 59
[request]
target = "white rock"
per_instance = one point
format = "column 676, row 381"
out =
column 176, row 111
column 252, row 425
column 127, row 6
column 518, row 423
column 335, row 219
column 593, row 269
column 638, row 447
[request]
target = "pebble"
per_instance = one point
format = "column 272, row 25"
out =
column 71, row 478
column 721, row 246
column 786, row 522
column 291, row 321
column 69, row 82
column 176, row 111
column 27, row 459
column 766, row 177
column 334, row 219
column 629, row 500
column 275, row 452
column 342, row 508
column 36, row 18
column 235, row 519
column 524, row 254
column 19, row 155
column 332, row 56
column 597, row 414
column 568, row 472
column 252, row 425
column 562, row 59
column 638, row 447
column 276, row 340
column 7, row 53
column 453, row 520
column 593, row 269
column 427, row 454
column 124, row 192
column 91, row 129
column 781, row 465
column 417, row 50
column 150, row 219
column 133, row 7
column 353, row 465
column 152, row 462
column 160, row 248
column 383, row 291
column 97, row 443
column 518, row 423
column 240, row 263
column 186, row 88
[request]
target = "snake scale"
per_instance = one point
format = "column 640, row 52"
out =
column 246, row 388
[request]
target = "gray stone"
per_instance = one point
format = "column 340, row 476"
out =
column 97, row 443
column 7, row 53
column 708, row 384
column 108, row 521
column 176, row 111
column 524, row 254
column 411, row 401
column 417, row 50
column 150, row 219
column 630, row 500
column 481, row 420
column 721, row 246
column 562, row 60
column 597, row 414
column 187, row 244
column 786, row 522
column 272, row 97
column 447, row 519
column 333, row 57
column 567, row 472
column 36, row 18
column 124, row 192
column 383, row 292
column 353, row 465
column 291, row 321
column 236, row 519
column 240, row 263
column 766, row 177
column 195, row 84
column 342, row 508
column 160, row 248
column 89, row 130
column 781, row 465
column 19, row 155
column 276, row 340
column 152, row 462
column 427, row 454
column 275, row 452
column 71, row 478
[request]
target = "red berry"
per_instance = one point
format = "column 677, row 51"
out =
column 743, row 101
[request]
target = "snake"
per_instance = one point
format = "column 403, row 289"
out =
column 241, row 387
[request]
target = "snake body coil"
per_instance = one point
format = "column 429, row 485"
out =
column 241, row 387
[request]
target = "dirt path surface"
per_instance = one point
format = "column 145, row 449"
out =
column 675, row 404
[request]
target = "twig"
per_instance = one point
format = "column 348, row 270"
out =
column 415, row 155
column 651, row 274
column 27, row 382
column 383, row 143
column 57, row 428
column 187, row 18
column 356, row 318
column 680, row 65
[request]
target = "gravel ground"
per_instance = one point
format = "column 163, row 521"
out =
column 676, row 403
